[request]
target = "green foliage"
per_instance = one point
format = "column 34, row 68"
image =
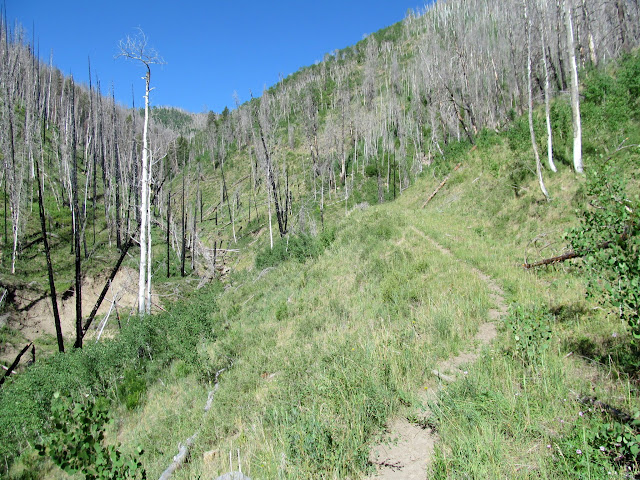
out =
column 171, row 117
column 299, row 247
column 531, row 328
column 599, row 445
column 132, row 389
column 518, row 135
column 611, row 100
column 76, row 443
column 371, row 170
column 608, row 240
column 141, row 352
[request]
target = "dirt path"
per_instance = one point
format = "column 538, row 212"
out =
column 409, row 450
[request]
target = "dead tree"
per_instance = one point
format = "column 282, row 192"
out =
column 138, row 50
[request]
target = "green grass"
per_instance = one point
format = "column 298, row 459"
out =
column 323, row 346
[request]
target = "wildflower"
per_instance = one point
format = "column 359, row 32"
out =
column 548, row 445
column 579, row 452
column 581, row 414
column 602, row 449
column 614, row 334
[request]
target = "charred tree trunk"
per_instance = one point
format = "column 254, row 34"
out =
column 76, row 222
column 47, row 253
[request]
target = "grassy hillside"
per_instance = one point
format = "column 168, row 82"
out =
column 311, row 349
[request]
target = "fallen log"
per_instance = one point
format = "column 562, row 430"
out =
column 15, row 363
column 573, row 254
column 549, row 261
column 183, row 448
column 435, row 192
column 179, row 459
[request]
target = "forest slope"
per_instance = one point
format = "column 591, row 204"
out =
column 311, row 347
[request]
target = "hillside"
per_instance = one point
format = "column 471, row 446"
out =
column 319, row 291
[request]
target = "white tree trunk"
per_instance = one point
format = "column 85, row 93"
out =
column 144, row 200
column 532, row 132
column 547, row 102
column 575, row 99
column 148, row 279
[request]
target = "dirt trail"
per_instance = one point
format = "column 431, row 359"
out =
column 410, row 448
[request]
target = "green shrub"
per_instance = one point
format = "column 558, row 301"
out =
column 607, row 239
column 371, row 170
column 298, row 247
column 132, row 389
column 145, row 347
column 76, row 442
column 600, row 446
column 531, row 328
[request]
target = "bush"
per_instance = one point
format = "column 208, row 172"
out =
column 76, row 443
column 371, row 170
column 132, row 389
column 600, row 446
column 298, row 247
column 531, row 328
column 607, row 239
column 141, row 352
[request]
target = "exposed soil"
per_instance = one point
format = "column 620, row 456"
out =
column 409, row 448
column 33, row 315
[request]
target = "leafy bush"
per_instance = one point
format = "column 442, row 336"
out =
column 598, row 446
column 607, row 238
column 144, row 348
column 371, row 170
column 132, row 389
column 76, row 443
column 531, row 328
column 298, row 247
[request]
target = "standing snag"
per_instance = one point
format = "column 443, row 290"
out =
column 137, row 49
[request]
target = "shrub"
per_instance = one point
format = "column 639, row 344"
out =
column 141, row 352
column 132, row 389
column 531, row 328
column 76, row 443
column 371, row 170
column 599, row 445
column 298, row 247
column 607, row 238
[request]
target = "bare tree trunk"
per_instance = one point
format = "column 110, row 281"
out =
column 76, row 221
column 547, row 101
column 168, row 232
column 47, row 253
column 575, row 99
column 137, row 49
column 270, row 226
column 148, row 279
column 183, row 253
column 144, row 195
column 117, row 172
column 534, row 144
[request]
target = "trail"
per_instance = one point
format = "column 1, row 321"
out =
column 409, row 450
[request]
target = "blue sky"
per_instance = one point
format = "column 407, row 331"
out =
column 211, row 48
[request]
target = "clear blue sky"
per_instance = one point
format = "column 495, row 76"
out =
column 212, row 48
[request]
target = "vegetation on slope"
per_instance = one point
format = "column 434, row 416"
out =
column 312, row 355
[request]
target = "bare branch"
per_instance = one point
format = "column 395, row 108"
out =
column 136, row 48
